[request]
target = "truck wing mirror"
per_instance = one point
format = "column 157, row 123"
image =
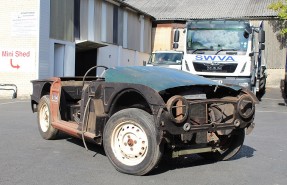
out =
column 176, row 36
column 175, row 45
column 261, row 36
column 247, row 32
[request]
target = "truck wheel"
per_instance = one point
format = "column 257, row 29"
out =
column 230, row 146
column 130, row 141
column 46, row 130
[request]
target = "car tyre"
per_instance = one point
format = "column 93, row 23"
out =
column 230, row 146
column 130, row 141
column 46, row 130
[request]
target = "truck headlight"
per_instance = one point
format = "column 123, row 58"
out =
column 177, row 107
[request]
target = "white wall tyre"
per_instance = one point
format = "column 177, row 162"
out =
column 46, row 130
column 230, row 145
column 130, row 142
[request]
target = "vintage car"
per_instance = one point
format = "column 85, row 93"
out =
column 140, row 113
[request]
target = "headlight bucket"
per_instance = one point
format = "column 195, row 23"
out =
column 245, row 107
column 177, row 107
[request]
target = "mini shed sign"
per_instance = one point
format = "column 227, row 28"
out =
column 17, row 60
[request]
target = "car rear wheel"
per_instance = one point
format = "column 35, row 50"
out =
column 130, row 141
column 46, row 130
column 229, row 146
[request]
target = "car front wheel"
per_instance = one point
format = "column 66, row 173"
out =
column 229, row 146
column 130, row 141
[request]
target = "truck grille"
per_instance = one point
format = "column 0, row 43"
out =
column 217, row 68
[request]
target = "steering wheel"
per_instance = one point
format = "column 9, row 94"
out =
column 94, row 67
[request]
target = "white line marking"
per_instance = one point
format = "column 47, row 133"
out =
column 13, row 102
column 270, row 111
column 274, row 99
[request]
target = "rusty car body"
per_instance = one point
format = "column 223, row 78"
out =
column 140, row 113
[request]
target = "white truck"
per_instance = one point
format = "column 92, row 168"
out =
column 226, row 51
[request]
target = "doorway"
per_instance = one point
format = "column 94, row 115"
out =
column 59, row 57
column 85, row 59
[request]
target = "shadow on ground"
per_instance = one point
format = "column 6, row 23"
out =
column 92, row 147
column 168, row 164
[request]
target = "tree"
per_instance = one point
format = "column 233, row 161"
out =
column 281, row 8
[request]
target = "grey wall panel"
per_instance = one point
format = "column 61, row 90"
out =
column 109, row 23
column 133, row 32
column 62, row 20
column 147, row 35
column 120, row 26
column 98, row 17
column 84, row 20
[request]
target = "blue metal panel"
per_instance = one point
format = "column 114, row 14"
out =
column 155, row 77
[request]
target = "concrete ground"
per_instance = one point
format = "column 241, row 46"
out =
column 26, row 158
column 273, row 99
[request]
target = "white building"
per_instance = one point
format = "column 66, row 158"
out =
column 45, row 38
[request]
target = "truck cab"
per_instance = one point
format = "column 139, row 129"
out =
column 226, row 51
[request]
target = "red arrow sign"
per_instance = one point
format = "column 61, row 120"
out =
column 17, row 66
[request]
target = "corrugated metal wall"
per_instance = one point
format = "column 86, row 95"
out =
column 113, row 24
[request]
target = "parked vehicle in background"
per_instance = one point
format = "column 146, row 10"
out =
column 166, row 58
column 140, row 113
column 226, row 51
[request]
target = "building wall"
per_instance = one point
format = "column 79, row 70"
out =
column 275, row 53
column 19, row 45
column 123, row 31
column 126, row 33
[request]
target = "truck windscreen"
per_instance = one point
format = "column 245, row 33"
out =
column 209, row 39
